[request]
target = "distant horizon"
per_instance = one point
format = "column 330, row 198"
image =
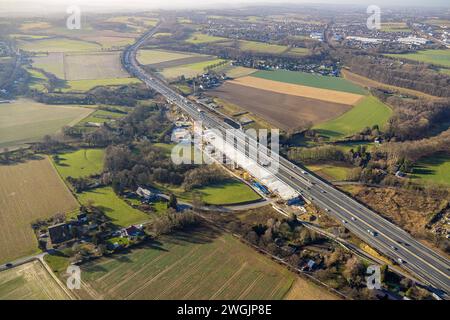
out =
column 54, row 6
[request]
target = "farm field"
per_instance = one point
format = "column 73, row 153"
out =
column 395, row 27
column 255, row 46
column 366, row 113
column 436, row 57
column 58, row 45
column 203, row 264
column 33, row 25
column 115, row 208
column 110, row 41
column 98, row 65
column 158, row 56
column 102, row 116
column 332, row 172
column 52, row 63
column 282, row 110
column 435, row 169
column 86, row 85
column 188, row 70
column 24, row 121
column 28, row 191
column 30, row 281
column 298, row 51
column 298, row 90
column 311, row 80
column 198, row 38
column 80, row 163
column 84, row 71
column 38, row 80
column 237, row 72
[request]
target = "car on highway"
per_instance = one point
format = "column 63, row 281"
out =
column 9, row 265
column 393, row 247
column 344, row 221
column 353, row 218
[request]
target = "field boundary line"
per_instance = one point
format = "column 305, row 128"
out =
column 58, row 282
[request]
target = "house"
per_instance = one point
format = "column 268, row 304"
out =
column 309, row 265
column 144, row 193
column 60, row 233
column 132, row 232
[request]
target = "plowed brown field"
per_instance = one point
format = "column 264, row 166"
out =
column 282, row 110
column 299, row 90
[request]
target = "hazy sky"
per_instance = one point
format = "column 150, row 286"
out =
column 107, row 5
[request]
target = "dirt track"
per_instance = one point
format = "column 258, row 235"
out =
column 282, row 110
column 299, row 90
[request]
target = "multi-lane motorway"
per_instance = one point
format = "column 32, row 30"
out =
column 429, row 266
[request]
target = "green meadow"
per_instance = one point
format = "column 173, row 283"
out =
column 81, row 163
column 114, row 207
column 367, row 113
column 311, row 80
column 434, row 169
column 436, row 57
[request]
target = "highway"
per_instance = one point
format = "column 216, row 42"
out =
column 421, row 261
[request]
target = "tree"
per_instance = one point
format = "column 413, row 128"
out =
column 173, row 202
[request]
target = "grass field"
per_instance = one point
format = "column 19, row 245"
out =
column 395, row 27
column 332, row 172
column 231, row 192
column 29, row 281
column 85, row 162
column 85, row 85
column 228, row 193
column 58, row 45
column 202, row 264
column 436, row 57
column 237, row 72
column 38, row 80
column 24, row 121
column 102, row 116
column 97, row 65
column 188, row 70
column 115, row 208
column 158, row 56
column 52, row 63
column 255, row 46
column 81, row 163
column 28, row 191
column 199, row 38
column 434, row 169
column 81, row 66
column 311, row 80
column 366, row 113
column 298, row 51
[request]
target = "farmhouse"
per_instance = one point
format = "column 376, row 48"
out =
column 60, row 233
